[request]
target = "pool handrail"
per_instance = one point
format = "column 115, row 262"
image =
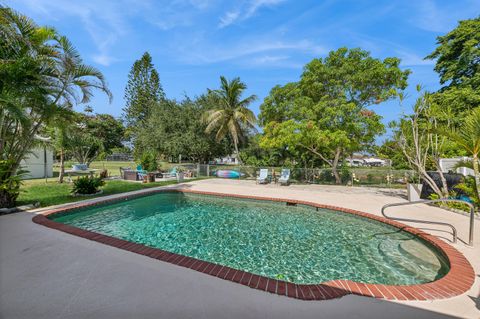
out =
column 426, row 201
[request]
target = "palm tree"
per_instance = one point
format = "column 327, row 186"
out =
column 230, row 113
column 73, row 83
column 41, row 76
column 468, row 137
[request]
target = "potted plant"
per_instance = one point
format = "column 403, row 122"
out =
column 180, row 174
column 414, row 187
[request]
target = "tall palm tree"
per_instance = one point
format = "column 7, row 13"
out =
column 468, row 137
column 230, row 113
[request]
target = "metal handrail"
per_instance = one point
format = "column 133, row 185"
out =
column 454, row 230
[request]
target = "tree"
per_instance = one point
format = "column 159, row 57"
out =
column 418, row 135
column 142, row 93
column 391, row 150
column 83, row 146
column 41, row 75
column 175, row 129
column 458, row 55
column 106, row 128
column 229, row 113
column 57, row 131
column 468, row 137
column 457, row 61
column 325, row 113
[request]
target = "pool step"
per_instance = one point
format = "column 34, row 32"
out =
column 393, row 253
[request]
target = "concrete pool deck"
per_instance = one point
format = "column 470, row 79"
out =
column 46, row 273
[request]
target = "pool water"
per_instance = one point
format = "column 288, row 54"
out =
column 293, row 243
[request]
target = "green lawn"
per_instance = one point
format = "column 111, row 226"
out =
column 51, row 193
column 113, row 167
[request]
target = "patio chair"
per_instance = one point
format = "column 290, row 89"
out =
column 284, row 177
column 141, row 172
column 263, row 176
column 172, row 173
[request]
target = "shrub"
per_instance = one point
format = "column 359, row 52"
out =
column 326, row 175
column 468, row 188
column 370, row 178
column 87, row 185
column 149, row 161
column 345, row 174
column 9, row 184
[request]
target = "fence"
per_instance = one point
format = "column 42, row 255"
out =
column 380, row 177
column 375, row 176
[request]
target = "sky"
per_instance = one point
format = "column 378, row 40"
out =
column 264, row 42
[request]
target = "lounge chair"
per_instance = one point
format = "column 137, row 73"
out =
column 141, row 172
column 263, row 176
column 172, row 173
column 284, row 177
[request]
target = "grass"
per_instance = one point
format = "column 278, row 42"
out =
column 52, row 193
column 113, row 167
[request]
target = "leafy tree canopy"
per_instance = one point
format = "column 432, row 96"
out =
column 325, row 112
column 458, row 55
column 175, row 128
column 458, row 63
column 106, row 128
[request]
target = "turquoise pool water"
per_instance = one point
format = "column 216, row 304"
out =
column 292, row 243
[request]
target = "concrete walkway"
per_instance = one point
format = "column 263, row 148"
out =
column 50, row 274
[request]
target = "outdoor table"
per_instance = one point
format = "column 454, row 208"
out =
column 73, row 172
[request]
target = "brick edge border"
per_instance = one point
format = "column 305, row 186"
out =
column 456, row 282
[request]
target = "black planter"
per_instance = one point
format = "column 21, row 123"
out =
column 452, row 181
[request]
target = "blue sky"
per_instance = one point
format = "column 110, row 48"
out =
column 264, row 42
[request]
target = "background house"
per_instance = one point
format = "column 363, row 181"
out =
column 448, row 165
column 39, row 161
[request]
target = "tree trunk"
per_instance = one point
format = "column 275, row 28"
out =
column 442, row 179
column 338, row 180
column 236, row 152
column 444, row 184
column 476, row 173
column 62, row 166
column 7, row 198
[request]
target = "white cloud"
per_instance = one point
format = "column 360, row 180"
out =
column 105, row 22
column 382, row 47
column 412, row 59
column 103, row 59
column 247, row 51
column 268, row 59
column 440, row 16
column 277, row 61
column 202, row 4
column 245, row 11
column 229, row 18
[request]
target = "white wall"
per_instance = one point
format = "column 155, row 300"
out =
column 35, row 163
column 448, row 164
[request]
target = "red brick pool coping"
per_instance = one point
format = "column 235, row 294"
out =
column 457, row 281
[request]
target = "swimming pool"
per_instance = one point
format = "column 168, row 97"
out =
column 294, row 243
column 280, row 244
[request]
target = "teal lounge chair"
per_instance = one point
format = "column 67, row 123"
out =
column 172, row 173
column 141, row 172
